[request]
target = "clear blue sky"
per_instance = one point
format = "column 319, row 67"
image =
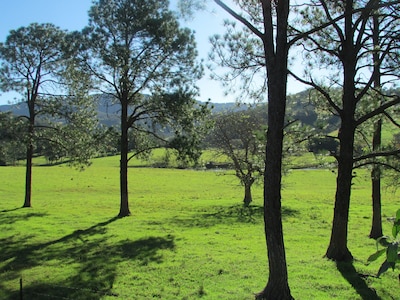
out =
column 72, row 15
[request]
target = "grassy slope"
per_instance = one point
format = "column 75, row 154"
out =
column 188, row 237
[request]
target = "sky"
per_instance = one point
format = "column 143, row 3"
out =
column 72, row 15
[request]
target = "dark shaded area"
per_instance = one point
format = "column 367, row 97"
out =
column 228, row 215
column 357, row 281
column 11, row 219
column 89, row 249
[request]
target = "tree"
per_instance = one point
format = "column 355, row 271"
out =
column 133, row 48
column 272, row 31
column 342, row 44
column 236, row 135
column 36, row 62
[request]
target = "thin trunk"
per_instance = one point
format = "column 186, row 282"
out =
column 28, row 175
column 248, row 198
column 276, row 60
column 376, row 229
column 29, row 154
column 124, row 204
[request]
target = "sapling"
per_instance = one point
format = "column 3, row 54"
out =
column 391, row 247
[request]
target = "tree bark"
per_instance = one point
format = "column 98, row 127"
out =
column 124, row 203
column 28, row 175
column 248, row 198
column 29, row 153
column 276, row 50
column 376, row 229
column 337, row 249
column 276, row 63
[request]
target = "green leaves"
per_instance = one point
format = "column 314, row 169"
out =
column 391, row 248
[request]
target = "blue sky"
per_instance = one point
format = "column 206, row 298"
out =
column 72, row 15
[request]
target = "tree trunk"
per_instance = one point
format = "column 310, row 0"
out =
column 28, row 176
column 124, row 204
column 337, row 249
column 248, row 198
column 29, row 156
column 277, row 287
column 376, row 229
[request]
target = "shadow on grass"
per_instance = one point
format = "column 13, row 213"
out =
column 11, row 219
column 10, row 210
column 228, row 214
column 93, row 261
column 353, row 277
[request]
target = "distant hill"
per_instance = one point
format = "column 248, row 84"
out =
column 108, row 113
column 298, row 107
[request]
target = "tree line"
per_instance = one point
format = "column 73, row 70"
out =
column 130, row 49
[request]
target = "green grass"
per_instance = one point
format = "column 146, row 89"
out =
column 188, row 236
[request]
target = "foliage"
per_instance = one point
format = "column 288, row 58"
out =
column 391, row 247
column 143, row 61
column 39, row 63
column 12, row 136
column 241, row 137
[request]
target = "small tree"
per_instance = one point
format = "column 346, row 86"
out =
column 235, row 135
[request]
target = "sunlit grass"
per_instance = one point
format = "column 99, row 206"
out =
column 188, row 237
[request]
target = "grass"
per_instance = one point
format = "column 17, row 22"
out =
column 188, row 238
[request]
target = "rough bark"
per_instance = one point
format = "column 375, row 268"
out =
column 337, row 249
column 277, row 286
column 124, row 203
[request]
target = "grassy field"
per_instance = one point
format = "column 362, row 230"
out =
column 188, row 236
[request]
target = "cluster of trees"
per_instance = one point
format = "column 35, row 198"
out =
column 131, row 48
column 134, row 53
column 357, row 45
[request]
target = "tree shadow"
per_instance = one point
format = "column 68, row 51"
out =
column 228, row 214
column 94, row 258
column 357, row 282
column 11, row 219
column 11, row 210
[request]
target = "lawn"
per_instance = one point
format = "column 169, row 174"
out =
column 188, row 236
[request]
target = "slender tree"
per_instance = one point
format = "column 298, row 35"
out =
column 273, row 34
column 342, row 40
column 133, row 48
column 37, row 63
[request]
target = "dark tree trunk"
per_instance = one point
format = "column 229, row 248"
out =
column 376, row 229
column 248, row 198
column 124, row 204
column 29, row 155
column 28, row 176
column 337, row 249
column 277, row 286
